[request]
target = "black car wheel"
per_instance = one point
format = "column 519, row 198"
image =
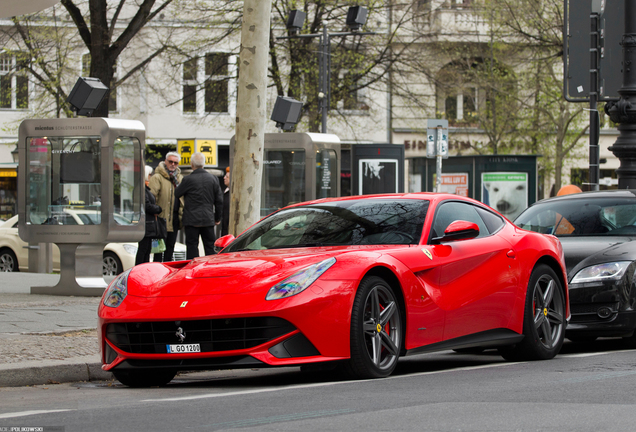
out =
column 8, row 261
column 144, row 378
column 376, row 330
column 111, row 265
column 544, row 318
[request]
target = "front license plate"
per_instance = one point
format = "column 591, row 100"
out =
column 183, row 348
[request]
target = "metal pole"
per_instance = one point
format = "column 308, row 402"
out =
column 594, row 117
column 324, row 77
column 438, row 158
column 623, row 111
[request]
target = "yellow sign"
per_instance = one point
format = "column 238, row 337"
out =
column 186, row 149
column 8, row 172
column 208, row 148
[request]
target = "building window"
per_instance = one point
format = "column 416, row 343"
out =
column 112, row 97
column 352, row 95
column 14, row 83
column 214, row 71
column 469, row 92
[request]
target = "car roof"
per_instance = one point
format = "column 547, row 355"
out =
column 591, row 195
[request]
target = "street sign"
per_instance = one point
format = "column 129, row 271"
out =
column 436, row 138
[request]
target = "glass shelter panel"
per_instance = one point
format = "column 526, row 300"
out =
column 64, row 180
column 326, row 174
column 126, row 205
column 283, row 179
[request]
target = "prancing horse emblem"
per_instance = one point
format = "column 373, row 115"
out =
column 180, row 334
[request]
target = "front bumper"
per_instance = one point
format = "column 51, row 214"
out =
column 602, row 309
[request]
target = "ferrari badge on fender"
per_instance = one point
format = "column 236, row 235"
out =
column 428, row 253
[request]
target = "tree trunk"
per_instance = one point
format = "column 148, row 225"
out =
column 247, row 168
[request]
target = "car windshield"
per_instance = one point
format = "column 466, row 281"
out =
column 587, row 216
column 350, row 222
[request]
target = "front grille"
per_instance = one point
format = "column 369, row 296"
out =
column 588, row 312
column 213, row 335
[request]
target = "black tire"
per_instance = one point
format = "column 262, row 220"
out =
column 144, row 378
column 376, row 330
column 111, row 265
column 543, row 318
column 8, row 261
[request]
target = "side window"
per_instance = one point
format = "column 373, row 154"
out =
column 492, row 221
column 450, row 212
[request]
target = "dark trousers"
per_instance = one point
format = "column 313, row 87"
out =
column 143, row 251
column 192, row 240
column 167, row 255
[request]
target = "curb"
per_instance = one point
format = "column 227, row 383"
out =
column 87, row 368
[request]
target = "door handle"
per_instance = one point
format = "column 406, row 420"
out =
column 511, row 254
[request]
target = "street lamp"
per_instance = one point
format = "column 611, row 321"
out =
column 356, row 17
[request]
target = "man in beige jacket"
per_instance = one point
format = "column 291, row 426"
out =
column 163, row 183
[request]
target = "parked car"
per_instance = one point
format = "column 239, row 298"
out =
column 351, row 282
column 597, row 230
column 14, row 255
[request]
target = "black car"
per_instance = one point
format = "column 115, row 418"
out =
column 598, row 233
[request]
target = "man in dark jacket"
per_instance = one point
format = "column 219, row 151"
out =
column 203, row 207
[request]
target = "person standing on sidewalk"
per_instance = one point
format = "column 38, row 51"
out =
column 225, row 222
column 203, row 206
column 163, row 184
column 152, row 209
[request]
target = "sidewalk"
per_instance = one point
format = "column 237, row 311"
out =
column 46, row 339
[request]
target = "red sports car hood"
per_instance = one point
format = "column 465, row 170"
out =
column 232, row 273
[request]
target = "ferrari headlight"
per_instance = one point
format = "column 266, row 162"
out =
column 131, row 249
column 602, row 272
column 299, row 281
column 117, row 290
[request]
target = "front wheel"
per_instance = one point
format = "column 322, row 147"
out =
column 111, row 265
column 8, row 261
column 543, row 320
column 376, row 330
column 144, row 378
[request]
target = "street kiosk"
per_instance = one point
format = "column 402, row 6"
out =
column 297, row 167
column 80, row 186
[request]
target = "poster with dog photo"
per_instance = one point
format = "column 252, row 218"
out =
column 506, row 192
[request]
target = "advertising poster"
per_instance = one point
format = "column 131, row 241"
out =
column 378, row 176
column 454, row 183
column 506, row 192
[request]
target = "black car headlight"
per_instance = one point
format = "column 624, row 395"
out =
column 117, row 290
column 602, row 272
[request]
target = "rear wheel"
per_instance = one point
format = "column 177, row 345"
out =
column 376, row 330
column 543, row 320
column 8, row 261
column 144, row 377
column 111, row 265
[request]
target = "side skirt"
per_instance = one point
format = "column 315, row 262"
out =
column 486, row 339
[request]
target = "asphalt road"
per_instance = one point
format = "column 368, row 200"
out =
column 583, row 389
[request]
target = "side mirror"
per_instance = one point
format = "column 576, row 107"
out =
column 458, row 230
column 222, row 242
